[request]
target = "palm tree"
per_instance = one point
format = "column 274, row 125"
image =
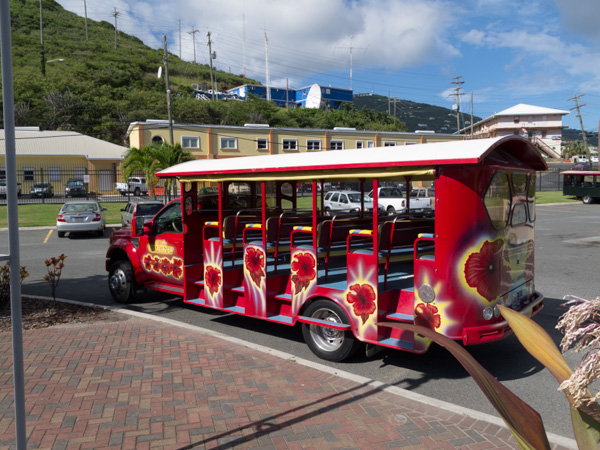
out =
column 143, row 160
column 166, row 156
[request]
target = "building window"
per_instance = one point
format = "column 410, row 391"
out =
column 157, row 139
column 28, row 174
column 190, row 142
column 410, row 143
column 228, row 142
column 544, row 134
column 54, row 173
column 360, row 144
column 3, row 173
column 290, row 144
column 262, row 144
column 370, row 144
column 517, row 119
column 312, row 145
column 389, row 144
column 78, row 173
column 336, row 145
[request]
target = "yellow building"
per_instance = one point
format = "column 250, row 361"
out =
column 57, row 156
column 219, row 141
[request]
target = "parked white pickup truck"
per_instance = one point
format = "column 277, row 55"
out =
column 3, row 189
column 135, row 185
column 393, row 201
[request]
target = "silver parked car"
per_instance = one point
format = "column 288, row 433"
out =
column 79, row 217
column 345, row 201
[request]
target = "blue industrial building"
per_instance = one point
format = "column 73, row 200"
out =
column 314, row 96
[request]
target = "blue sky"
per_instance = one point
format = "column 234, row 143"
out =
column 539, row 52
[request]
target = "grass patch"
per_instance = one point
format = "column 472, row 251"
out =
column 544, row 197
column 36, row 215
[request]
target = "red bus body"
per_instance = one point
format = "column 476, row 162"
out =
column 357, row 270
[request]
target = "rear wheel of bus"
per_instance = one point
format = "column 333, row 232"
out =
column 328, row 343
column 587, row 199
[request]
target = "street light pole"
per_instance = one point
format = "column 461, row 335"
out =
column 166, row 61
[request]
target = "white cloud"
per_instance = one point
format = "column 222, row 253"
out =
column 581, row 17
column 305, row 36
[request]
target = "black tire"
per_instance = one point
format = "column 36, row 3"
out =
column 328, row 343
column 121, row 282
column 391, row 210
column 587, row 199
column 100, row 232
column 327, row 211
column 61, row 234
column 137, row 192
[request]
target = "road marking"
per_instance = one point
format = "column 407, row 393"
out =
column 48, row 236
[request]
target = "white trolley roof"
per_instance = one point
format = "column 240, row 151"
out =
column 418, row 161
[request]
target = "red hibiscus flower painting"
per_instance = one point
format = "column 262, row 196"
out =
column 156, row 264
column 362, row 297
column 427, row 316
column 148, row 262
column 304, row 269
column 483, row 269
column 165, row 266
column 177, row 267
column 255, row 263
column 212, row 279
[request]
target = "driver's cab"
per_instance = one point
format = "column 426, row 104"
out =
column 161, row 245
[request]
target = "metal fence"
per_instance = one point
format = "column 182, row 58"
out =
column 47, row 184
column 100, row 184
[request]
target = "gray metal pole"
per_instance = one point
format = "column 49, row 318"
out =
column 13, row 224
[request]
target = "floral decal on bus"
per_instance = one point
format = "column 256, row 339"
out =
column 166, row 266
column 482, row 269
column 212, row 279
column 254, row 263
column 362, row 297
column 427, row 316
column 304, row 270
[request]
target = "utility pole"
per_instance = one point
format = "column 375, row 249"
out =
column 352, row 48
column 180, row 41
column 42, row 51
column 577, row 107
column 457, row 94
column 471, row 114
column 393, row 100
column 193, row 33
column 268, row 80
column 115, row 14
column 211, row 66
column 166, row 62
column 85, row 12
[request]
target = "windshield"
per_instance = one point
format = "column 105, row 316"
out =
column 148, row 210
column 75, row 183
column 355, row 198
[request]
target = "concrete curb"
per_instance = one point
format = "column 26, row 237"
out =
column 477, row 415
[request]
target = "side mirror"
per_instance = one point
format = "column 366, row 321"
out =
column 143, row 225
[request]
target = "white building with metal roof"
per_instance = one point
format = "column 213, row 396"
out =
column 542, row 126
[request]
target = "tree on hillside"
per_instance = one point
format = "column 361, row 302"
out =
column 166, row 156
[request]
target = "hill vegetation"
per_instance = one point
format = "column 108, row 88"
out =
column 92, row 87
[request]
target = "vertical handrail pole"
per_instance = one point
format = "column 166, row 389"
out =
column 13, row 224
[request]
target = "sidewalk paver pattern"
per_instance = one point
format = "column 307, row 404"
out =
column 140, row 384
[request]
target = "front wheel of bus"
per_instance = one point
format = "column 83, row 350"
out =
column 587, row 199
column 120, row 281
column 328, row 343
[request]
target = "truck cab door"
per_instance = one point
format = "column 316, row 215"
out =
column 161, row 249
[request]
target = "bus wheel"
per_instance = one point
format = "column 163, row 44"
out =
column 328, row 343
column 587, row 199
column 120, row 281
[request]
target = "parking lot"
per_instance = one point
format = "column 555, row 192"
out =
column 566, row 258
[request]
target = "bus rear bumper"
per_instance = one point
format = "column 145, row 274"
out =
column 500, row 330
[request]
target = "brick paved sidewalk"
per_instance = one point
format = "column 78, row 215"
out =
column 140, row 384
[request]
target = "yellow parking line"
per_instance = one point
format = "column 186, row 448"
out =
column 48, row 236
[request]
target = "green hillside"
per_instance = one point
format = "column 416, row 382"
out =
column 416, row 116
column 96, row 89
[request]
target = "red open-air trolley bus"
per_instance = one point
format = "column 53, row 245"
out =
column 250, row 247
